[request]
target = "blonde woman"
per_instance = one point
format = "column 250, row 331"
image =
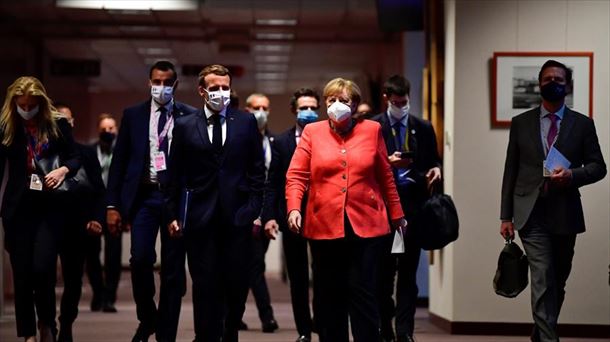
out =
column 343, row 165
column 31, row 129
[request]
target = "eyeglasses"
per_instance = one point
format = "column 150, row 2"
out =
column 400, row 104
column 308, row 107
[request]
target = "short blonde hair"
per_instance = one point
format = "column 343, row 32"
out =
column 338, row 85
column 215, row 69
column 45, row 119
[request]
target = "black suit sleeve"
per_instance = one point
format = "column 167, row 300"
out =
column 118, row 166
column 255, row 173
column 594, row 167
column 511, row 167
column 174, row 173
column 94, row 175
column 274, row 178
column 68, row 153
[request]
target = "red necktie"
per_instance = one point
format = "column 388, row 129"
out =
column 550, row 138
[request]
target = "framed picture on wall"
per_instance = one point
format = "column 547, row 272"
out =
column 514, row 82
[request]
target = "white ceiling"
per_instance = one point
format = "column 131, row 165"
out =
column 330, row 38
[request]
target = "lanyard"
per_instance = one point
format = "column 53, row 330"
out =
column 544, row 133
column 161, row 136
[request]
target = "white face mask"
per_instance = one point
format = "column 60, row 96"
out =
column 218, row 99
column 162, row 94
column 398, row 112
column 261, row 118
column 29, row 114
column 339, row 112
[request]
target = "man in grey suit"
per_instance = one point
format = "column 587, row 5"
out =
column 546, row 208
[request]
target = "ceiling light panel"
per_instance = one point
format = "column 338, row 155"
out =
column 156, row 5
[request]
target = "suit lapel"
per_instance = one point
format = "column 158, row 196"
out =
column 386, row 130
column 143, row 128
column 412, row 132
column 292, row 140
column 565, row 127
column 535, row 135
column 230, row 120
column 202, row 127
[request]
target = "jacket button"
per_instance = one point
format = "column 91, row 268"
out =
column 343, row 189
column 344, row 176
column 343, row 151
column 343, row 163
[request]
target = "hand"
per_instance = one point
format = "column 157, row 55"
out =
column 507, row 230
column 113, row 220
column 398, row 162
column 256, row 228
column 561, row 177
column 294, row 221
column 94, row 228
column 433, row 175
column 271, row 229
column 400, row 223
column 54, row 178
column 174, row 229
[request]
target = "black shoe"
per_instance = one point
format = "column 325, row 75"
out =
column 242, row 326
column 109, row 307
column 303, row 338
column 96, row 303
column 405, row 338
column 142, row 333
column 270, row 326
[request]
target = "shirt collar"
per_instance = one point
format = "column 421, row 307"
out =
column 208, row 112
column 559, row 113
column 403, row 120
column 298, row 130
column 155, row 106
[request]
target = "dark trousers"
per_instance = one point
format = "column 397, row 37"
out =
column 218, row 259
column 104, row 281
column 297, row 265
column 32, row 240
column 345, row 277
column 403, row 269
column 258, row 283
column 145, row 227
column 72, row 256
column 550, row 260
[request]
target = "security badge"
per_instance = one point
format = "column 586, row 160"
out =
column 159, row 161
column 35, row 183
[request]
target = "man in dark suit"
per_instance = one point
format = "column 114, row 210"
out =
column 304, row 105
column 135, row 201
column 104, row 282
column 86, row 206
column 411, row 146
column 544, row 205
column 217, row 155
column 259, row 105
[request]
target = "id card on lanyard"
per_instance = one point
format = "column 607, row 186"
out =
column 159, row 160
column 34, row 151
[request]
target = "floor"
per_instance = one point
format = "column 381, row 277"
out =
column 107, row 327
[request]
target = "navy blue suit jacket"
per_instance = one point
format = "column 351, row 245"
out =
column 131, row 156
column 228, row 183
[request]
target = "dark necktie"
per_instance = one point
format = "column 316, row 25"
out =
column 399, row 140
column 550, row 137
column 216, row 132
column 162, row 122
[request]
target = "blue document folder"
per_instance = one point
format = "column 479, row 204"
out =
column 183, row 209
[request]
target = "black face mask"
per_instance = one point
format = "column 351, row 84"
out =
column 107, row 137
column 553, row 91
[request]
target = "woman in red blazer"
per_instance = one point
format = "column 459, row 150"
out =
column 342, row 164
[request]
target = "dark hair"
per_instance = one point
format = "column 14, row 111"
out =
column 553, row 63
column 300, row 93
column 163, row 66
column 397, row 85
column 105, row 116
column 58, row 105
column 215, row 69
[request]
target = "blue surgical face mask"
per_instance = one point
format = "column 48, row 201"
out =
column 306, row 116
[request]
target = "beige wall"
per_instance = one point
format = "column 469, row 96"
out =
column 461, row 283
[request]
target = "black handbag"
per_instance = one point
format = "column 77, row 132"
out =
column 511, row 276
column 438, row 223
column 78, row 184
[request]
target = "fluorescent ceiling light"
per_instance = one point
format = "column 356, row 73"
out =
column 271, row 59
column 140, row 29
column 275, row 36
column 158, row 51
column 271, row 67
column 270, row 76
column 272, row 48
column 276, row 22
column 157, row 5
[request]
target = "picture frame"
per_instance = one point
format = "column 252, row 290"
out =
column 514, row 83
